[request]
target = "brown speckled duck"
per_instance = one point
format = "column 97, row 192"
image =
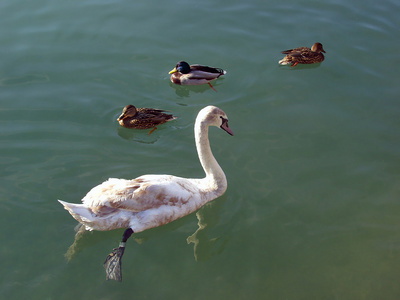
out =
column 143, row 118
column 303, row 55
column 185, row 74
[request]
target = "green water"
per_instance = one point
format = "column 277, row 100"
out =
column 312, row 207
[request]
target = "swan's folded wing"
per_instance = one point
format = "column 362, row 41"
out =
column 143, row 193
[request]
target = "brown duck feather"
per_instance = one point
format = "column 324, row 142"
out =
column 303, row 55
column 143, row 118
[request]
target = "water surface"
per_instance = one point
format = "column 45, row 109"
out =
column 311, row 211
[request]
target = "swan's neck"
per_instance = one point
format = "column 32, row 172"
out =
column 215, row 180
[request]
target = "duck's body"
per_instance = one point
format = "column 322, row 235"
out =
column 153, row 200
column 143, row 118
column 303, row 55
column 185, row 74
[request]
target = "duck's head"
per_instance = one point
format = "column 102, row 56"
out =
column 181, row 67
column 127, row 112
column 317, row 47
column 214, row 116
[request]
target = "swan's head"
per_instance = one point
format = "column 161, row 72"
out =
column 128, row 112
column 214, row 116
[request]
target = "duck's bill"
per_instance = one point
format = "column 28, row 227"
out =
column 173, row 71
column 121, row 117
column 225, row 126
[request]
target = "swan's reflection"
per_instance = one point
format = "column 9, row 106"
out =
column 73, row 249
column 205, row 247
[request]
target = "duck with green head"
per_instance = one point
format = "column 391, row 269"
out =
column 185, row 74
column 303, row 55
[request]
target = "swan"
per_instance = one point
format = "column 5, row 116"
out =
column 149, row 201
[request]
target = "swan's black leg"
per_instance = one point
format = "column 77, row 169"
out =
column 113, row 263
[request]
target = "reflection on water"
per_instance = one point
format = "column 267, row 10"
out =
column 185, row 90
column 204, row 246
column 139, row 135
column 80, row 230
column 302, row 66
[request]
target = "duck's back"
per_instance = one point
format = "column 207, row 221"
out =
column 297, row 50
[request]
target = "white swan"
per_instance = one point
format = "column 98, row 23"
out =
column 153, row 200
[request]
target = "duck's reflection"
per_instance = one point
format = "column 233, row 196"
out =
column 184, row 90
column 301, row 67
column 138, row 135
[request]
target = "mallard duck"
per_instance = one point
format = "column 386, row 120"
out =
column 153, row 200
column 303, row 55
column 186, row 74
column 143, row 118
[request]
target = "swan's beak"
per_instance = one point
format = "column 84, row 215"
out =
column 225, row 126
column 173, row 71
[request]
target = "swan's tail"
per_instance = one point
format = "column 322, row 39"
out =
column 99, row 217
column 80, row 212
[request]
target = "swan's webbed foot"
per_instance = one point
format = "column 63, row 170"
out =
column 113, row 263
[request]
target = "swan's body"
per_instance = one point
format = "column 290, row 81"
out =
column 303, row 55
column 153, row 200
column 142, row 203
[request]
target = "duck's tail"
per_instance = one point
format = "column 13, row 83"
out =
column 79, row 212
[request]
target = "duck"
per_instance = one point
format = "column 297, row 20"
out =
column 185, row 74
column 143, row 118
column 303, row 55
column 150, row 201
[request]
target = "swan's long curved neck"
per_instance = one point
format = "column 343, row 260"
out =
column 215, row 178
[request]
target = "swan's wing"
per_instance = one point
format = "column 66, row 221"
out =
column 142, row 193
